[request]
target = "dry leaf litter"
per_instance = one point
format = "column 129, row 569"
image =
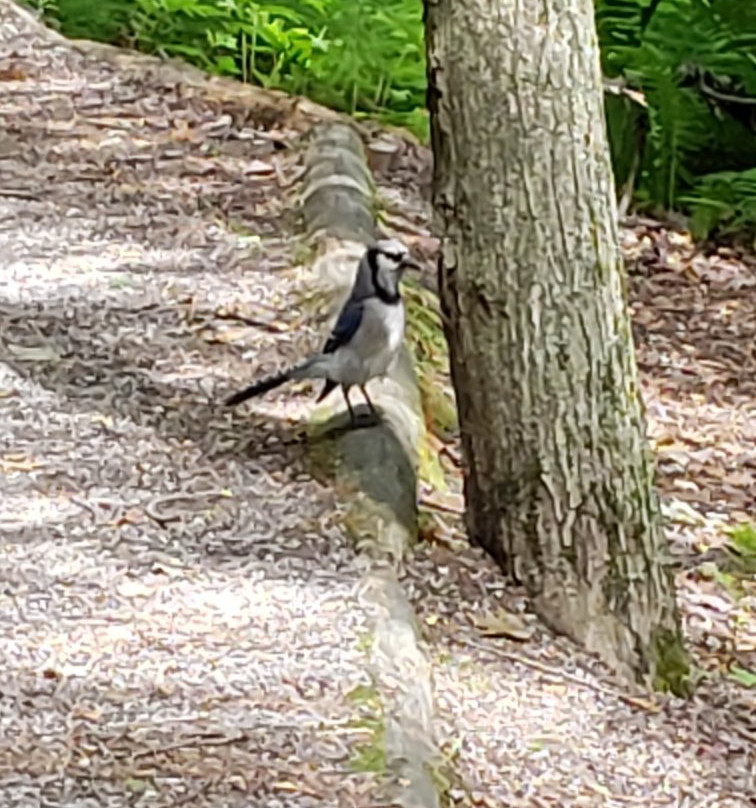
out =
column 180, row 620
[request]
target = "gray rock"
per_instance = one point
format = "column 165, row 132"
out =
column 378, row 465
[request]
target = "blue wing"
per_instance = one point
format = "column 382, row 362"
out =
column 346, row 326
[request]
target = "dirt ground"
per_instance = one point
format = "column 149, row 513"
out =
column 180, row 616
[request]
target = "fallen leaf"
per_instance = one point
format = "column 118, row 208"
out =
column 227, row 335
column 18, row 462
column 182, row 131
column 11, row 74
column 258, row 167
column 503, row 623
column 678, row 511
column 448, row 502
column 34, row 353
column 286, row 785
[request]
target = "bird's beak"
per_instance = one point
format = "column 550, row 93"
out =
column 410, row 263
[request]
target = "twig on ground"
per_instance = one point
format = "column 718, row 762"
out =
column 192, row 741
column 153, row 508
column 15, row 193
column 265, row 325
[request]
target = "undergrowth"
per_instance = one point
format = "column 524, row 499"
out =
column 427, row 343
column 691, row 145
column 365, row 58
column 694, row 61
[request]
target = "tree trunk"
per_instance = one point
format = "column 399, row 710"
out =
column 559, row 483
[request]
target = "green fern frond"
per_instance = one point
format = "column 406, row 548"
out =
column 725, row 201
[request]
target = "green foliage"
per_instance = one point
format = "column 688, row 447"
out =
column 731, row 583
column 743, row 547
column 744, row 677
column 425, row 334
column 743, row 539
column 673, row 673
column 738, row 564
column 370, row 755
column 694, row 61
column 107, row 21
column 725, row 201
column 363, row 58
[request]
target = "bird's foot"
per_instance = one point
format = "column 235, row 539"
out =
column 365, row 418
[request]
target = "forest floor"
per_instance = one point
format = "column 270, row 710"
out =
column 180, row 621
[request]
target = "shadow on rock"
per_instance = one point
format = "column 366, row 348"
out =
column 372, row 457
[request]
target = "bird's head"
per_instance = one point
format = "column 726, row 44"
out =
column 388, row 259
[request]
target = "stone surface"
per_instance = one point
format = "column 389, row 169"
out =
column 378, row 464
column 381, row 460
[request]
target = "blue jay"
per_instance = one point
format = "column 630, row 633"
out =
column 367, row 336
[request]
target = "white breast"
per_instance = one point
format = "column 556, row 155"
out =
column 390, row 340
column 375, row 346
column 394, row 320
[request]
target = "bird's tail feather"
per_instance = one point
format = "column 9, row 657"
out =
column 258, row 388
column 312, row 368
column 327, row 387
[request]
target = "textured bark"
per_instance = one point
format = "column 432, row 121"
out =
column 559, row 483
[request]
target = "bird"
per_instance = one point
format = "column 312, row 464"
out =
column 365, row 342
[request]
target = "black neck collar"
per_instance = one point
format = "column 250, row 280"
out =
column 383, row 294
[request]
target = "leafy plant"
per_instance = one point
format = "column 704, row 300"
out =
column 730, row 582
column 745, row 677
column 743, row 547
column 724, row 201
column 106, row 20
column 694, row 62
column 743, row 538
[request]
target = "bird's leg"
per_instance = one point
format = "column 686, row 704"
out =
column 370, row 403
column 345, row 391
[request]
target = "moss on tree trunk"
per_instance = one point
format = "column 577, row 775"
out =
column 559, row 482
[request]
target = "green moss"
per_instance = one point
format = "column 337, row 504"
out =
column 304, row 253
column 742, row 549
column 672, row 671
column 239, row 228
column 323, row 462
column 365, row 642
column 366, row 695
column 369, row 756
column 365, row 517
